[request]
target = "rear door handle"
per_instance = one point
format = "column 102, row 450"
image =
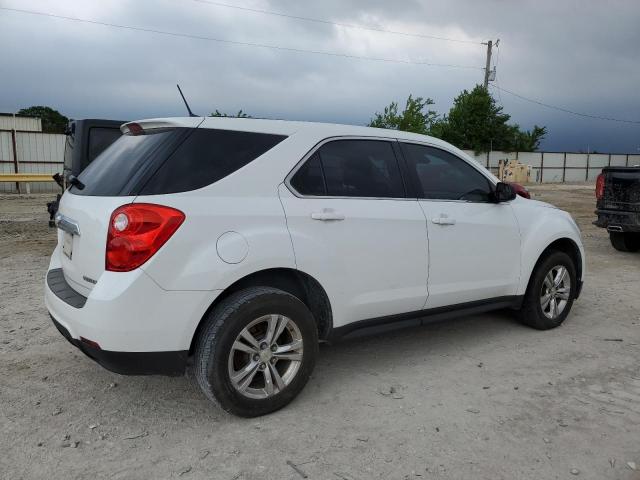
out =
column 443, row 220
column 327, row 215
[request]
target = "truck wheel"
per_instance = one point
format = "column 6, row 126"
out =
column 625, row 241
column 550, row 293
column 256, row 351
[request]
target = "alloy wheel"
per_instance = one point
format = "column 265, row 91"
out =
column 555, row 292
column 265, row 356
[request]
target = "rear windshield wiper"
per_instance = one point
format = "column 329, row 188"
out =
column 73, row 180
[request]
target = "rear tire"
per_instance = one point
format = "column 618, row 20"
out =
column 625, row 241
column 547, row 303
column 244, row 356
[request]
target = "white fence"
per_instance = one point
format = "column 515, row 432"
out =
column 8, row 121
column 31, row 152
column 36, row 152
column 558, row 167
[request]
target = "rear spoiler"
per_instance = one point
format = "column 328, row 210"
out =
column 139, row 127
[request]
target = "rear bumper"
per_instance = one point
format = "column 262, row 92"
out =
column 617, row 220
column 130, row 363
column 132, row 325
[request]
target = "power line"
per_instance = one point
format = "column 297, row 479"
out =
column 587, row 115
column 338, row 24
column 235, row 42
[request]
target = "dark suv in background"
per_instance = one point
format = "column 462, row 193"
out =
column 86, row 139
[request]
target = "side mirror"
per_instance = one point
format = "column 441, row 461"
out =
column 504, row 192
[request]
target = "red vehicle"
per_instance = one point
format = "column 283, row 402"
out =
column 520, row 189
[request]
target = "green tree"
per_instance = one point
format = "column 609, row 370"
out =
column 240, row 114
column 476, row 123
column 52, row 120
column 529, row 140
column 414, row 117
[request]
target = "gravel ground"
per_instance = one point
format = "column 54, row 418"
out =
column 477, row 397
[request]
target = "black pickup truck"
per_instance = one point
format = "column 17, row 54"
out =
column 618, row 206
column 86, row 139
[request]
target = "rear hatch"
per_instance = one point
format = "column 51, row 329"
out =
column 621, row 189
column 111, row 180
column 151, row 158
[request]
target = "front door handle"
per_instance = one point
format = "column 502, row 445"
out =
column 326, row 215
column 443, row 220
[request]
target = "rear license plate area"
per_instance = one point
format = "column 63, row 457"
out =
column 67, row 245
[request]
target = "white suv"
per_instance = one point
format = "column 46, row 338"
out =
column 233, row 246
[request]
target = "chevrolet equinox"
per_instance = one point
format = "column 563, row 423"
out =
column 232, row 247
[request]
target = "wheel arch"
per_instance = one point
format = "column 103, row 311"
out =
column 565, row 245
column 295, row 282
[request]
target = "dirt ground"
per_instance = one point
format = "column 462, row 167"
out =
column 477, row 397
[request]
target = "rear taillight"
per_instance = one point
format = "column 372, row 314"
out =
column 600, row 186
column 136, row 233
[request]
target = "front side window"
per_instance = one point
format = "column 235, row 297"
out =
column 351, row 168
column 443, row 176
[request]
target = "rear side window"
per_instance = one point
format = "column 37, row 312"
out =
column 207, row 156
column 443, row 176
column 351, row 168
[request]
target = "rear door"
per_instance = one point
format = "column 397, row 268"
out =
column 355, row 231
column 474, row 243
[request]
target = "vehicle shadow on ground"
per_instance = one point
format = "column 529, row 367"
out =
column 337, row 365
column 451, row 337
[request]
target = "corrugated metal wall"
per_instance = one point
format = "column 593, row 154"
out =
column 37, row 153
column 9, row 122
column 558, row 167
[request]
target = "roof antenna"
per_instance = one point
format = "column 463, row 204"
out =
column 191, row 114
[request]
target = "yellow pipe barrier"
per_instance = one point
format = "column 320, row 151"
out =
column 25, row 177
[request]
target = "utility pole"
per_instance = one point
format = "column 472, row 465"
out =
column 487, row 68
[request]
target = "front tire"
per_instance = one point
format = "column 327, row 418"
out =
column 551, row 291
column 256, row 351
column 625, row 241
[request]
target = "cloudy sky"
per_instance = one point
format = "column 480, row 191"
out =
column 579, row 55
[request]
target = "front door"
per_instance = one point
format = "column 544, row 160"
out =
column 474, row 243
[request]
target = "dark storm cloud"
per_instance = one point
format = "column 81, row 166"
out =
column 580, row 55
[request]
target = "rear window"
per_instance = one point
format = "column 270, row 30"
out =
column 115, row 171
column 171, row 161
